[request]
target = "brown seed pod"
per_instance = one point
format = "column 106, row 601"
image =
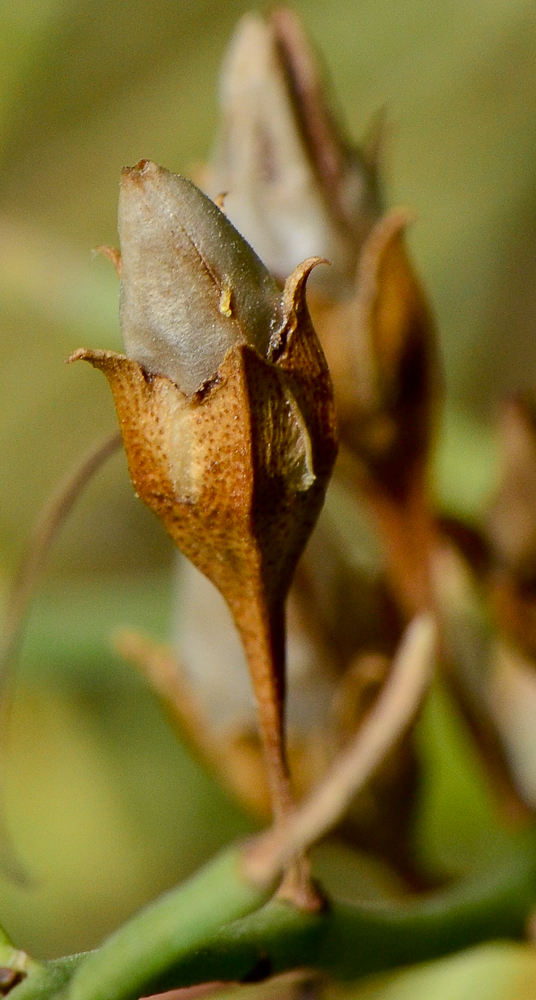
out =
column 236, row 470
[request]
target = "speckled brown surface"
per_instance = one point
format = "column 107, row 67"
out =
column 237, row 474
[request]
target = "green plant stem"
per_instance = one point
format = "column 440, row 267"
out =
column 49, row 978
column 352, row 941
column 219, row 927
column 14, row 958
column 5, row 942
column 183, row 921
column 495, row 904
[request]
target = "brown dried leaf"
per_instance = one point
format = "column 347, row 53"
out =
column 382, row 354
column 383, row 358
column 511, row 528
column 511, row 521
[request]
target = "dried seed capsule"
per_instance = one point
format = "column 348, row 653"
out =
column 228, row 421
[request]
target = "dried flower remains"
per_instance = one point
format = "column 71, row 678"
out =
column 226, row 409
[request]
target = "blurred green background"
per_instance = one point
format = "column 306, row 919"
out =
column 106, row 808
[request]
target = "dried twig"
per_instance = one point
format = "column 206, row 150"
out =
column 51, row 518
column 394, row 709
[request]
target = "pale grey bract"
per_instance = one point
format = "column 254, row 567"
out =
column 191, row 287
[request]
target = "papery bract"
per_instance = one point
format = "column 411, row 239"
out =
column 294, row 185
column 190, row 286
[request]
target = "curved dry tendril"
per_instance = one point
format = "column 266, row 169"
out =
column 51, row 518
column 394, row 709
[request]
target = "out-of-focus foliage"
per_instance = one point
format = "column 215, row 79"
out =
column 104, row 805
column 106, row 808
column 490, row 972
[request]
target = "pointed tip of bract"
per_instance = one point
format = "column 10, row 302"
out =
column 246, row 51
column 191, row 287
column 142, row 167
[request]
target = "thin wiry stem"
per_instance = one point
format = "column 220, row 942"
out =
column 51, row 518
column 394, row 709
